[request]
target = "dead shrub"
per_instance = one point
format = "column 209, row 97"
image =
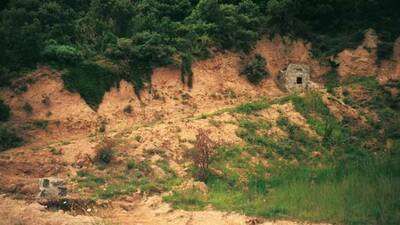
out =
column 201, row 155
column 46, row 100
column 102, row 125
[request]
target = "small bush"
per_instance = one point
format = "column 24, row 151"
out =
column 4, row 112
column 27, row 108
column 91, row 81
column 8, row 139
column 105, row 152
column 255, row 69
column 332, row 81
column 41, row 124
column 131, row 164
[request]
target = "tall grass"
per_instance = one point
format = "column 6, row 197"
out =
column 366, row 194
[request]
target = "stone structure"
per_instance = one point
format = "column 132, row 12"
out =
column 51, row 187
column 296, row 78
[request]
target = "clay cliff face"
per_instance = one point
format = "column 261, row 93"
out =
column 217, row 84
column 280, row 52
column 362, row 61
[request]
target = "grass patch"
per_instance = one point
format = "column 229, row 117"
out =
column 188, row 200
column 331, row 81
column 361, row 195
column 125, row 179
column 251, row 107
column 88, row 180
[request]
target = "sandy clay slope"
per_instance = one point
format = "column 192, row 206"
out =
column 167, row 118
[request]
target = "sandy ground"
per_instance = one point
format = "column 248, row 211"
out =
column 151, row 211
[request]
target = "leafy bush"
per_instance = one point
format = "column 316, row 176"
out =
column 4, row 111
column 41, row 124
column 91, row 81
column 255, row 69
column 9, row 139
column 63, row 54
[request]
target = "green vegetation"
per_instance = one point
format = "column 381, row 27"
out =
column 115, row 182
column 8, row 139
column 137, row 36
column 91, row 81
column 350, row 174
column 131, row 164
column 332, row 81
column 62, row 54
column 41, row 124
column 255, row 69
column 251, row 107
column 186, row 70
column 105, row 152
column 4, row 111
column 27, row 108
column 89, row 180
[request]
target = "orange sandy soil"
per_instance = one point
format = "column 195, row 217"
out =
column 163, row 118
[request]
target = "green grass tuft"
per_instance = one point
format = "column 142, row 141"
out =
column 251, row 107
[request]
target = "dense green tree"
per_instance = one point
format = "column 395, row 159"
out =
column 67, row 32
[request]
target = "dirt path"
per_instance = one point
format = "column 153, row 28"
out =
column 144, row 212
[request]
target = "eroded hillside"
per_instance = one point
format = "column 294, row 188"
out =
column 259, row 132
